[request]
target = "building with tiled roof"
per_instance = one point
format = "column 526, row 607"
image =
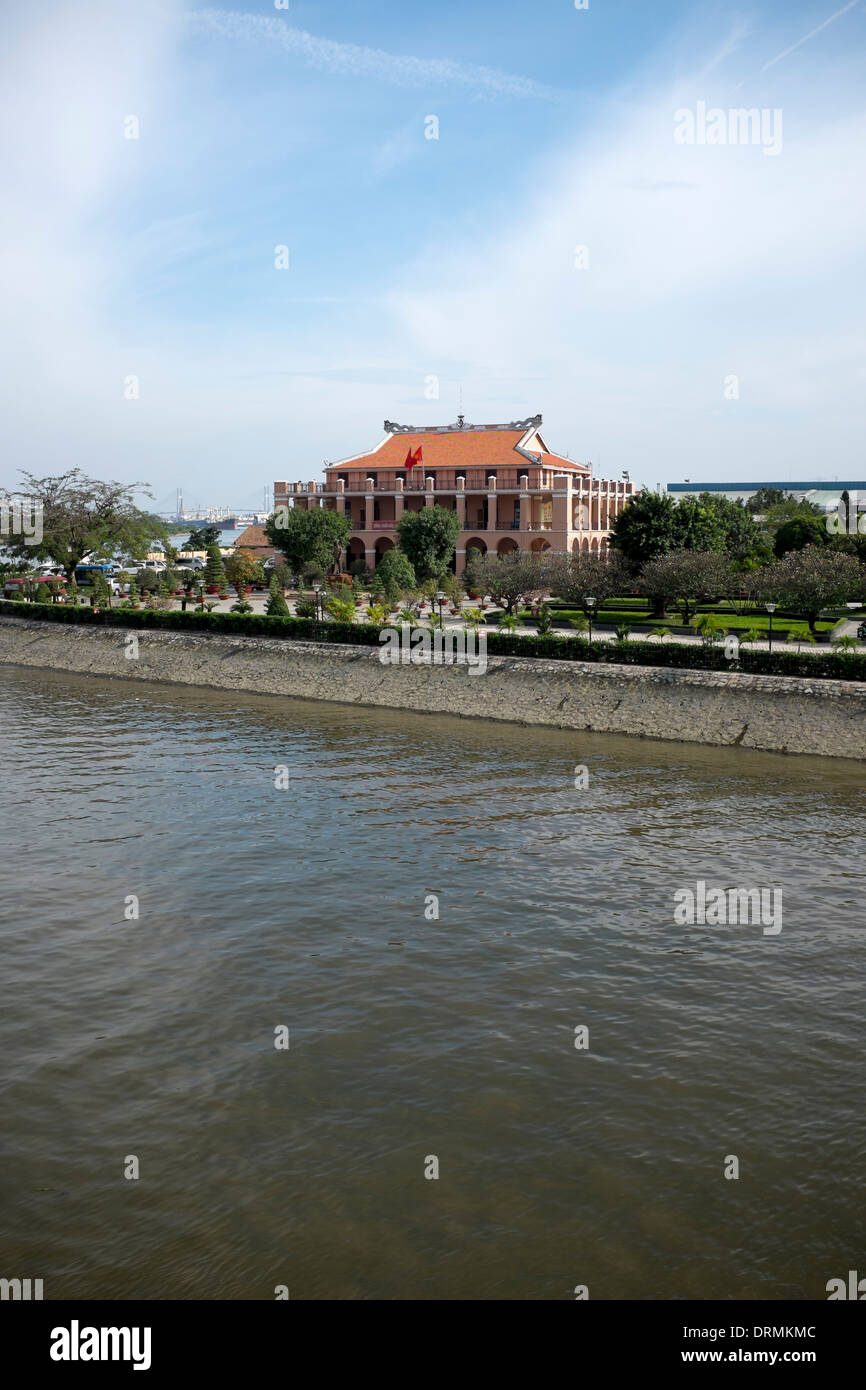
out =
column 510, row 491
column 254, row 539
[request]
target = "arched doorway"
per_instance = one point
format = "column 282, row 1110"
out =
column 354, row 550
column 383, row 545
column 507, row 546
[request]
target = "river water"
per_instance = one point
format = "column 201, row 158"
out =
column 411, row 1037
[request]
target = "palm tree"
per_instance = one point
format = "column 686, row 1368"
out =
column 710, row 628
column 799, row 635
column 474, row 617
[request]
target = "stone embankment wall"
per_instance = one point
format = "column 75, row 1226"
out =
column 776, row 713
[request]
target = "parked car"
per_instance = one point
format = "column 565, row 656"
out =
column 861, row 632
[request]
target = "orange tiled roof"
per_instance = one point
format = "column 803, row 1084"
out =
column 253, row 535
column 471, row 447
column 254, row 538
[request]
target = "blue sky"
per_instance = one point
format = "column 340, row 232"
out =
column 412, row 258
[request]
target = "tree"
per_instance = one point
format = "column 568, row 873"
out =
column 202, row 538
column 698, row 526
column 83, row 516
column 787, row 510
column 811, row 579
column 276, row 606
column 765, row 498
column 428, row 539
column 243, row 569
column 471, row 571
column 99, row 591
column 645, row 528
column 744, row 542
column 573, row 577
column 799, row 532
column 653, row 524
column 214, row 570
column 686, row 578
column 396, row 571
column 508, row 577
column 307, row 537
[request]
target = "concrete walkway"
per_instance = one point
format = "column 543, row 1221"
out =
column 259, row 602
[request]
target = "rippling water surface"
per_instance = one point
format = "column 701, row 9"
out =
column 413, row 1037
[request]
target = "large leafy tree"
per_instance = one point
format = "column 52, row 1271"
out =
column 813, row 578
column 395, row 571
column 202, row 538
column 85, row 516
column 765, row 498
column 307, row 537
column 653, row 524
column 799, row 532
column 744, row 541
column 574, row 577
column 698, row 526
column 428, row 539
column 685, row 578
column 505, row 578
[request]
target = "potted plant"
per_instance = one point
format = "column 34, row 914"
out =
column 276, row 606
column 214, row 574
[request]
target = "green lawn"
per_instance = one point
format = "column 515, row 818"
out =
column 734, row 622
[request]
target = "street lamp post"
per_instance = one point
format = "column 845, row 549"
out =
column 317, row 590
column 590, row 603
column 771, row 608
column 440, row 599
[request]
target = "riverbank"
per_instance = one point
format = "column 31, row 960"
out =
column 778, row 714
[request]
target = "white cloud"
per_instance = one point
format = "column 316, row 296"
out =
column 354, row 60
column 694, row 254
column 703, row 261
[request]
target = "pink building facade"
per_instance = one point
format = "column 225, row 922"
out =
column 508, row 489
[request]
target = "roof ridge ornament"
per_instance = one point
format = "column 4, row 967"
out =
column 532, row 422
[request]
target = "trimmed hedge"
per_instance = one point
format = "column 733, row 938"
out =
column 849, row 666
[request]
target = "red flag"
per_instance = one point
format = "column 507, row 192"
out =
column 410, row 462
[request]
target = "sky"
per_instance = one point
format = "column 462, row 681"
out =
column 675, row 310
